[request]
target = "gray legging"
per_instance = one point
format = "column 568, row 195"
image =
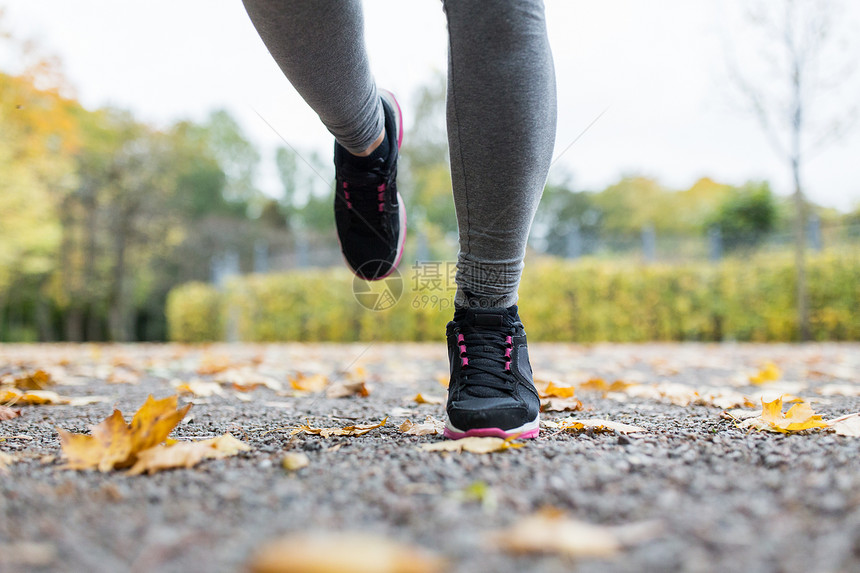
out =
column 501, row 114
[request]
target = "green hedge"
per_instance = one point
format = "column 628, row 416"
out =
column 579, row 301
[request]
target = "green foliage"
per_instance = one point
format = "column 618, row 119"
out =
column 744, row 300
column 194, row 313
column 746, row 216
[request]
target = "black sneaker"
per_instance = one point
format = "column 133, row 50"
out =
column 492, row 391
column 368, row 210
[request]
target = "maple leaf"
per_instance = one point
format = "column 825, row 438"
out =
column 114, row 443
column 429, row 426
column 38, row 380
column 338, row 552
column 422, row 399
column 770, row 372
column 475, row 445
column 186, row 454
column 799, row 417
column 347, row 389
column 595, row 424
column 549, row 531
column 7, row 413
column 356, row 430
column 312, row 383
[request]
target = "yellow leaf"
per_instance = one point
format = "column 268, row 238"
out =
column 356, row 430
column 200, row 388
column 596, row 424
column 14, row 396
column 443, row 380
column 600, row 385
column 549, row 390
column 422, row 399
column 846, row 425
column 295, row 461
column 472, row 444
column 799, row 417
column 38, row 380
column 115, row 444
column 186, row 454
column 312, row 383
column 339, row 552
column 770, row 372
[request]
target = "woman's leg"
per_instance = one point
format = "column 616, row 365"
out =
column 501, row 132
column 319, row 45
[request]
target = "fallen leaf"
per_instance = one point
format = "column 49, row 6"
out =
column 550, row 390
column 846, row 425
column 422, row 399
column 199, row 388
column 38, row 380
column 339, row 552
column 293, row 461
column 347, row 389
column 799, row 417
column 428, row 427
column 13, row 396
column 7, row 413
column 443, row 380
column 839, row 390
column 595, row 424
column 600, row 385
column 549, row 531
column 356, row 430
column 473, row 444
column 213, row 365
column 560, row 405
column 115, row 444
column 770, row 372
column 186, row 454
column 246, row 380
column 312, row 383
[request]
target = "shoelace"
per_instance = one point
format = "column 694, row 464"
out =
column 487, row 350
column 366, row 197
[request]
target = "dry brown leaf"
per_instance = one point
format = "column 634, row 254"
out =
column 770, row 372
column 186, row 454
column 549, row 531
column 293, row 461
column 422, row 399
column 430, row 426
column 339, row 552
column 13, row 396
column 595, row 424
column 347, row 389
column 38, row 380
column 560, row 405
column 846, row 425
column 356, row 430
column 311, row 383
column 7, row 413
column 115, row 444
column 473, row 444
column 799, row 417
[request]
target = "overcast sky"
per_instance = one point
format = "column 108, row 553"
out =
column 658, row 68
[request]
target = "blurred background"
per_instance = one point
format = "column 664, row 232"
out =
column 160, row 179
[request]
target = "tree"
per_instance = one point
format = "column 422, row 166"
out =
column 746, row 216
column 792, row 99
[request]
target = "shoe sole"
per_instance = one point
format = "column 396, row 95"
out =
column 401, row 237
column 526, row 431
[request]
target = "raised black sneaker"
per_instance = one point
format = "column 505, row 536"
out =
column 368, row 210
column 491, row 392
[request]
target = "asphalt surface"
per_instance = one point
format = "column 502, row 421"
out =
column 716, row 498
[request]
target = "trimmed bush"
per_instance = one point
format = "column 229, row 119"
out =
column 570, row 301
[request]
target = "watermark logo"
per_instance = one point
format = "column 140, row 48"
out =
column 377, row 295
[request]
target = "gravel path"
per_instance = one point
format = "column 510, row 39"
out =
column 721, row 499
